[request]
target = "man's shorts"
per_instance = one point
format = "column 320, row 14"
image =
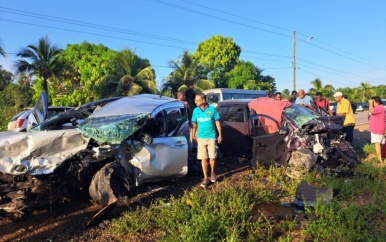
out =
column 377, row 138
column 206, row 148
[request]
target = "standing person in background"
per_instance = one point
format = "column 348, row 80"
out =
column 277, row 96
column 303, row 99
column 377, row 124
column 205, row 120
column 270, row 94
column 321, row 102
column 344, row 109
column 181, row 97
column 293, row 96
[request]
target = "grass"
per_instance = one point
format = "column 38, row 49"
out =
column 223, row 212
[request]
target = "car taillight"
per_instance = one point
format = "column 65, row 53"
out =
column 19, row 123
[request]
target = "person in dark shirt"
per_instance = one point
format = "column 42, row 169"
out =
column 321, row 102
column 293, row 96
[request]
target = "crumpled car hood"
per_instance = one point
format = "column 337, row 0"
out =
column 324, row 124
column 38, row 152
column 41, row 152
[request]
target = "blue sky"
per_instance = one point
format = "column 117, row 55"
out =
column 347, row 48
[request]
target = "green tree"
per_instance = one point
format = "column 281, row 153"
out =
column 43, row 61
column 317, row 87
column 133, row 75
column 5, row 78
column 219, row 55
column 381, row 91
column 364, row 92
column 187, row 73
column 13, row 99
column 286, row 94
column 85, row 65
column 243, row 76
column 267, row 83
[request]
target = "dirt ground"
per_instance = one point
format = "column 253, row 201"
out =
column 67, row 220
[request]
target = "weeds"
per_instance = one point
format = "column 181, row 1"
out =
column 223, row 213
column 368, row 149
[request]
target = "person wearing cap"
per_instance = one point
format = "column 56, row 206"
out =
column 344, row 109
column 303, row 99
column 293, row 96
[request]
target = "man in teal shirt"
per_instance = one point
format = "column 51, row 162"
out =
column 205, row 120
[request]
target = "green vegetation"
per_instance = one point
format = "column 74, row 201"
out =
column 369, row 149
column 85, row 72
column 226, row 211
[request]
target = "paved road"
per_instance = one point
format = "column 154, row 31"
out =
column 361, row 117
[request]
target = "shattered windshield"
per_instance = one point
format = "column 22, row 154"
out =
column 299, row 115
column 112, row 129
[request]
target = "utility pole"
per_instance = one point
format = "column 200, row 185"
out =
column 294, row 59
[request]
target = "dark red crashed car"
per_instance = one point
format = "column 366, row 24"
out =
column 279, row 132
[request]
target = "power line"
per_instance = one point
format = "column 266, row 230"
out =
column 219, row 18
column 256, row 28
column 90, row 25
column 101, row 35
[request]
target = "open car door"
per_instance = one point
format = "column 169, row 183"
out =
column 40, row 111
column 269, row 146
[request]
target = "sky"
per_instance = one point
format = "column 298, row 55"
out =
column 340, row 42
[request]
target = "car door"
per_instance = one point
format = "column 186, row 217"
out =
column 235, row 129
column 167, row 154
column 40, row 111
column 268, row 148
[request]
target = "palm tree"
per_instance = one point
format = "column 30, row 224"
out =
column 133, row 76
column 187, row 73
column 44, row 61
column 2, row 52
column 317, row 86
column 364, row 91
column 188, row 76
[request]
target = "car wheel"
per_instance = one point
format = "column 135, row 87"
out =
column 348, row 154
column 109, row 184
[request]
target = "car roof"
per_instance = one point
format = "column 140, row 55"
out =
column 231, row 101
column 142, row 103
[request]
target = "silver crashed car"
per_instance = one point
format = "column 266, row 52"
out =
column 106, row 147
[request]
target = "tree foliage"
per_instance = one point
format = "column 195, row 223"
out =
column 131, row 75
column 219, row 55
column 317, row 86
column 267, row 83
column 5, row 78
column 41, row 60
column 188, row 75
column 243, row 76
column 86, row 64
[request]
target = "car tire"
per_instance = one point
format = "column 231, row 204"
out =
column 109, row 184
column 348, row 154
